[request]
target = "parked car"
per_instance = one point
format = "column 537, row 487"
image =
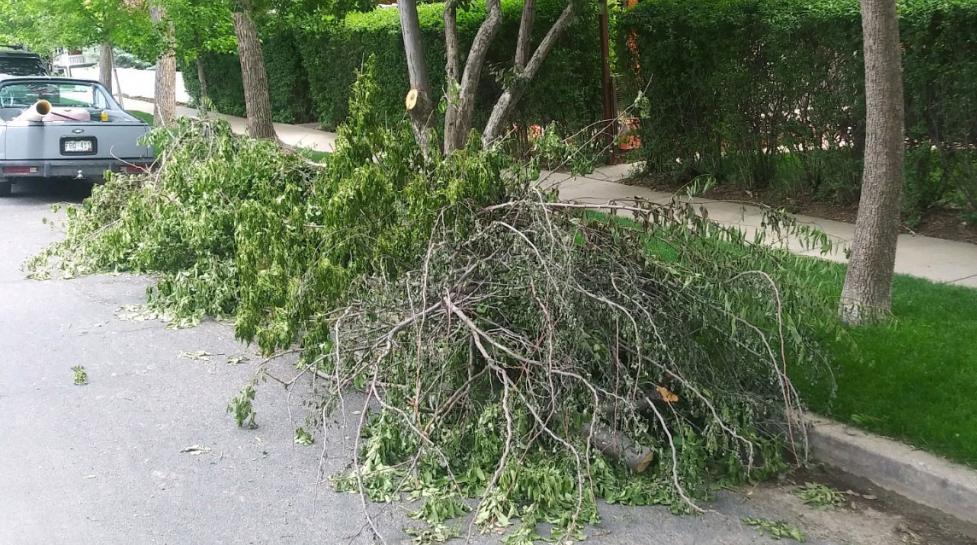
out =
column 65, row 128
column 16, row 61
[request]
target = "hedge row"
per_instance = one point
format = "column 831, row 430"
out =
column 771, row 92
column 287, row 81
column 312, row 69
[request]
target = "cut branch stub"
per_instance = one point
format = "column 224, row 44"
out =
column 414, row 99
column 619, row 446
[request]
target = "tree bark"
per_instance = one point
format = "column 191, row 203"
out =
column 868, row 282
column 419, row 104
column 458, row 116
column 510, row 97
column 452, row 50
column 253, row 75
column 202, row 80
column 618, row 445
column 105, row 66
column 525, row 34
column 164, row 110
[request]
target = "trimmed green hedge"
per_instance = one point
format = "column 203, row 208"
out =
column 224, row 85
column 288, row 84
column 770, row 93
column 567, row 89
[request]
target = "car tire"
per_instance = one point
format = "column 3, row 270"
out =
column 5, row 188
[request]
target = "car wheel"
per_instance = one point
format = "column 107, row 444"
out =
column 5, row 189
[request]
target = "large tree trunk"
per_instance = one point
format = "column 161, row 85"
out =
column 256, row 98
column 419, row 102
column 868, row 283
column 105, row 66
column 461, row 105
column 202, row 80
column 510, row 97
column 164, row 110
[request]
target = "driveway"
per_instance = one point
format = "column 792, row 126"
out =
column 146, row 454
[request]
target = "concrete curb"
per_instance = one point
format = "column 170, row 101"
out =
column 916, row 475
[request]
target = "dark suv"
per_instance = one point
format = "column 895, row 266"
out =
column 15, row 61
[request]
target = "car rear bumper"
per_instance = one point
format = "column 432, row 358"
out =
column 92, row 170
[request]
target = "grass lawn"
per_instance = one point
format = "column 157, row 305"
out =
column 313, row 155
column 141, row 116
column 913, row 378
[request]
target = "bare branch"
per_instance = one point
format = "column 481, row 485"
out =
column 525, row 34
column 507, row 102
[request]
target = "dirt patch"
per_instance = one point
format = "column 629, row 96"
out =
column 941, row 223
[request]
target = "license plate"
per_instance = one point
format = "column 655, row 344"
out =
column 77, row 146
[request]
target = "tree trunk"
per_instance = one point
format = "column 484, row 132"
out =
column 458, row 116
column 105, row 66
column 525, row 34
column 256, row 98
column 419, row 102
column 202, row 80
column 164, row 110
column 513, row 92
column 868, row 283
column 617, row 445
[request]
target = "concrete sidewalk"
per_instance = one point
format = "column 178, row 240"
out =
column 935, row 259
column 292, row 135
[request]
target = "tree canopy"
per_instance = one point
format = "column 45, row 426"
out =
column 46, row 25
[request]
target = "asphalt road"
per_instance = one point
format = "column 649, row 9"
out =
column 102, row 463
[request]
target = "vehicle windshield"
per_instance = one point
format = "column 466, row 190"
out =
column 59, row 94
column 21, row 66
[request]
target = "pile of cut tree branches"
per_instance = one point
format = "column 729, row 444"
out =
column 551, row 357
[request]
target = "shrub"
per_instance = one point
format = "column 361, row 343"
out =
column 767, row 92
column 288, row 85
column 224, row 86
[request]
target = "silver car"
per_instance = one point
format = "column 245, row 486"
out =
column 65, row 128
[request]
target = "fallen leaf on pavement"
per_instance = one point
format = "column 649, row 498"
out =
column 198, row 355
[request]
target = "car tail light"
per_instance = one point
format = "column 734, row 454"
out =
column 135, row 169
column 20, row 170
